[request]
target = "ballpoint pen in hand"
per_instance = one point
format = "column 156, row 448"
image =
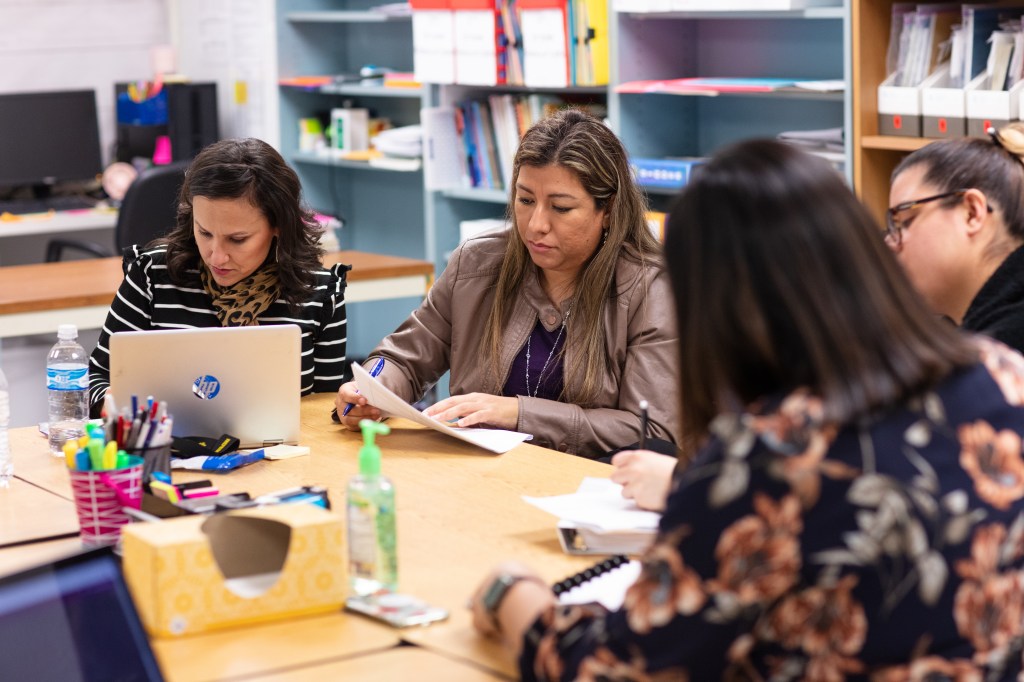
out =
column 643, row 425
column 374, row 371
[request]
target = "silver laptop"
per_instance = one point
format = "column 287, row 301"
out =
column 241, row 381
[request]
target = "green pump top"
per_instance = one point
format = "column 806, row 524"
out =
column 369, row 454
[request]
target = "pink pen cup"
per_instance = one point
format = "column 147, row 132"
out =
column 100, row 499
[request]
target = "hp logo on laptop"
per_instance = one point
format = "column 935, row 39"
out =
column 206, row 387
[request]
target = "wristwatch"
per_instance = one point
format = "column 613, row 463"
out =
column 495, row 594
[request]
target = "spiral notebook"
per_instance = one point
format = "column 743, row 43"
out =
column 605, row 582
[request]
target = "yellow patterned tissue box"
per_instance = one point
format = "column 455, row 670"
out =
column 197, row 573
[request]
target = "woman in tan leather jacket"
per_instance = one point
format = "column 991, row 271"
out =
column 559, row 326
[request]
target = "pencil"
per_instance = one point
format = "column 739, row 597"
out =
column 643, row 425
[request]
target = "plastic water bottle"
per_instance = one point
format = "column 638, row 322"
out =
column 6, row 466
column 67, row 381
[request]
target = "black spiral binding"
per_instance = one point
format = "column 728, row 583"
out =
column 600, row 568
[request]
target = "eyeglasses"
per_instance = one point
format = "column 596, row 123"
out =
column 894, row 226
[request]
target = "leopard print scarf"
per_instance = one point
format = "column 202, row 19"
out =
column 240, row 305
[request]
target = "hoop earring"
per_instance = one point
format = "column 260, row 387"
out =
column 277, row 250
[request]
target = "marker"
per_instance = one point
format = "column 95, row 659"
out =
column 374, row 371
column 643, row 425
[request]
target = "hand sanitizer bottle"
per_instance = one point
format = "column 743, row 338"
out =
column 370, row 499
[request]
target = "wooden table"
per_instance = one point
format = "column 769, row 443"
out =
column 459, row 511
column 401, row 663
column 29, row 512
column 36, row 298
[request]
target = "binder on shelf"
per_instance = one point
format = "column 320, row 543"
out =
column 664, row 173
column 943, row 108
column 990, row 108
column 480, row 57
column 546, row 49
column 899, row 108
column 444, row 163
column 979, row 21
column 597, row 40
column 433, row 38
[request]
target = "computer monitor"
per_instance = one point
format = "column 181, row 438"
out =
column 48, row 138
column 73, row 619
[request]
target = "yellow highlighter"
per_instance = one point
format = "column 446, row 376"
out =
column 165, row 490
column 70, row 453
column 110, row 455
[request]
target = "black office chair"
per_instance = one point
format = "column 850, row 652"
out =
column 149, row 210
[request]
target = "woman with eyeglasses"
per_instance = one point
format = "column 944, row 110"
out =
column 956, row 224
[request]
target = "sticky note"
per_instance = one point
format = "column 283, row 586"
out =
column 285, row 451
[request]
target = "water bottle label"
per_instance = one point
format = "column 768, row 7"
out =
column 59, row 379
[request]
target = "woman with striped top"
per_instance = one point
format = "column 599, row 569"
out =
column 243, row 252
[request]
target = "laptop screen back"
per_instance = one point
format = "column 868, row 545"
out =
column 241, row 381
column 73, row 620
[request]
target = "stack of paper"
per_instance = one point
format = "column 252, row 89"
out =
column 378, row 395
column 603, row 521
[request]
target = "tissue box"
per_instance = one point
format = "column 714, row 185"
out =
column 198, row 573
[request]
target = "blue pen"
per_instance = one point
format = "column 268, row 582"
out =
column 374, row 371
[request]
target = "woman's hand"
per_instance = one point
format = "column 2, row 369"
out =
column 349, row 394
column 476, row 409
column 645, row 476
column 521, row 605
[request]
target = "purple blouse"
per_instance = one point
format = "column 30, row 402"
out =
column 543, row 344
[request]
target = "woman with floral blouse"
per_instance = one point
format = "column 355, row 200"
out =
column 854, row 508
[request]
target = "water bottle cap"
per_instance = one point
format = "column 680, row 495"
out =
column 67, row 331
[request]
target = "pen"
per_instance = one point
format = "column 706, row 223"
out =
column 643, row 425
column 374, row 371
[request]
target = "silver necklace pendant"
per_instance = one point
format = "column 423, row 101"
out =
column 551, row 354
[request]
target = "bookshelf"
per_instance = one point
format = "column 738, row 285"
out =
column 808, row 44
column 389, row 211
column 384, row 209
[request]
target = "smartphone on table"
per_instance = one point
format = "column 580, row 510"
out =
column 396, row 609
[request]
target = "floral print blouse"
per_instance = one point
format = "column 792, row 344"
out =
column 890, row 549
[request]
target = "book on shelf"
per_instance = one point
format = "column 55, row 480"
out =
column 480, row 47
column 666, row 173
column 433, row 39
column 979, row 21
column 565, row 42
column 925, row 41
column 999, row 58
column 705, row 86
column 486, row 133
column 444, row 162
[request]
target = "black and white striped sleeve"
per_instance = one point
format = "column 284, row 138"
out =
column 329, row 364
column 131, row 310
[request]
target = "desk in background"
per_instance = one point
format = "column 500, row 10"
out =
column 459, row 510
column 58, row 222
column 34, row 299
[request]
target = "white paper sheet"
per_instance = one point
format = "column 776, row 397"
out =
column 390, row 405
column 598, row 503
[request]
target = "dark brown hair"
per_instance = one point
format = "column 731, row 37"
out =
column 993, row 166
column 250, row 169
column 782, row 280
column 583, row 144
